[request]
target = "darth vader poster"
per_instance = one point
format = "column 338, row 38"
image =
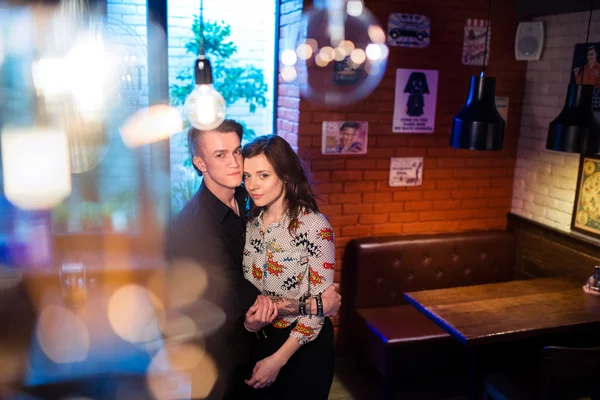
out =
column 415, row 101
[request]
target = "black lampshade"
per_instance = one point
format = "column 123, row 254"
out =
column 479, row 126
column 203, row 71
column 575, row 130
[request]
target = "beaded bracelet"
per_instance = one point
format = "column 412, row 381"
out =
column 302, row 306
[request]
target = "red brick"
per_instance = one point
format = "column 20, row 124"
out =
column 429, row 163
column 432, row 215
column 403, row 196
column 383, row 164
column 504, row 162
column 496, row 223
column 327, row 164
column 492, row 192
column 479, row 162
column 331, row 210
column 459, row 214
column 418, row 205
column 485, row 213
column 446, row 204
column 321, row 176
column 356, row 231
column 327, row 116
column 361, row 164
column 326, row 188
column 417, row 227
column 357, row 208
column 377, row 175
column 475, row 203
column 410, row 152
column 473, row 225
column 344, row 198
column 477, row 183
column 437, row 174
column 422, row 142
column 437, row 195
column 391, row 141
column 387, row 229
column 506, row 202
column 373, row 219
column 359, row 187
column 444, row 226
column 449, row 183
column 464, row 193
column 344, row 176
column 388, row 207
column 502, row 182
column 450, row 162
column 377, row 197
column 343, row 220
column 404, row 217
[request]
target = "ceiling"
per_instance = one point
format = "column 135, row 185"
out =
column 527, row 9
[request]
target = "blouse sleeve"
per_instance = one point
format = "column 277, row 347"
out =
column 317, row 235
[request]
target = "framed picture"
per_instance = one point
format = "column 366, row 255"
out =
column 586, row 213
column 345, row 137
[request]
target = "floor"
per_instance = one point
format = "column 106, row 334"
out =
column 348, row 384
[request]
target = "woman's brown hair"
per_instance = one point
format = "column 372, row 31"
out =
column 290, row 169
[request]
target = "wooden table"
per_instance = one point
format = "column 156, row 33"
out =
column 500, row 312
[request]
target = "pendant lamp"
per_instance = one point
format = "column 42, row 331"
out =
column 575, row 130
column 204, row 107
column 479, row 126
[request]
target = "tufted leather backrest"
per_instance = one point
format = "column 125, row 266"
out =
column 378, row 270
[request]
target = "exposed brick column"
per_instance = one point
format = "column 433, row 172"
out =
column 288, row 94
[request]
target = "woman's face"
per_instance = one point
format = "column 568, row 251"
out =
column 263, row 185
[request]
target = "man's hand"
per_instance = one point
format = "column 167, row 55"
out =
column 265, row 372
column 331, row 301
column 261, row 314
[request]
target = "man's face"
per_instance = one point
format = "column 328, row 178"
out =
column 220, row 158
column 347, row 136
column 591, row 55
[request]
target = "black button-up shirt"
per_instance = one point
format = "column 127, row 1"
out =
column 210, row 233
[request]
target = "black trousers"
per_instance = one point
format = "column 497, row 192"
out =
column 307, row 375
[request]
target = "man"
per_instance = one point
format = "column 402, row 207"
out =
column 210, row 231
column 591, row 71
column 346, row 143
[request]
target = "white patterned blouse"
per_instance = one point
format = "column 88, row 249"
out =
column 291, row 265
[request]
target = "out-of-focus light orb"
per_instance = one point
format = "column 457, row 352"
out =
column 354, row 8
column 51, row 76
column 373, row 52
column 134, row 314
column 358, row 56
column 304, row 51
column 288, row 73
column 376, row 34
column 9, row 277
column 62, row 336
column 288, row 57
column 35, row 167
column 185, row 282
column 150, row 125
column 339, row 72
column 175, row 360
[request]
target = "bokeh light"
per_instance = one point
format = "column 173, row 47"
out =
column 62, row 336
column 150, row 125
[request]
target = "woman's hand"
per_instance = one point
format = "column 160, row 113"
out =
column 261, row 314
column 265, row 372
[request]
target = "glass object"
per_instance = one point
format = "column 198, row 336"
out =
column 341, row 53
column 204, row 107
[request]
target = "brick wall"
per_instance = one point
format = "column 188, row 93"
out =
column 288, row 93
column 462, row 190
column 545, row 181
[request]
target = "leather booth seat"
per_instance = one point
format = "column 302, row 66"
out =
column 379, row 328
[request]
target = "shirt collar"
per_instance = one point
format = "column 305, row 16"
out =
column 284, row 221
column 216, row 207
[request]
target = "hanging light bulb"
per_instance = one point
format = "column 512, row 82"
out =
column 204, row 107
column 575, row 130
column 478, row 125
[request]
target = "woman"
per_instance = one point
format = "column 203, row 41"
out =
column 289, row 253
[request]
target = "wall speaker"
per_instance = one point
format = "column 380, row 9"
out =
column 529, row 41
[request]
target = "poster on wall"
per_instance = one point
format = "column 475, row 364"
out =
column 586, row 212
column 474, row 42
column 415, row 101
column 406, row 171
column 345, row 137
column 409, row 30
column 586, row 67
column 502, row 106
